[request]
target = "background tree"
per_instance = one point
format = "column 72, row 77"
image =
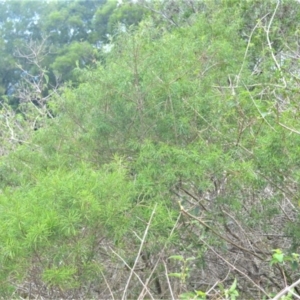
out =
column 71, row 31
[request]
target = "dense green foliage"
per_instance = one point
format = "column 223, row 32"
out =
column 181, row 140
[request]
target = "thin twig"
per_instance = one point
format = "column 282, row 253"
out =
column 219, row 234
column 235, row 268
column 270, row 44
column 137, row 276
column 168, row 281
column 247, row 49
column 110, row 291
column 286, row 290
column 291, row 129
column 139, row 253
column 261, row 114
column 159, row 257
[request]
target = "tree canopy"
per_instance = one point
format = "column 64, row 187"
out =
column 165, row 165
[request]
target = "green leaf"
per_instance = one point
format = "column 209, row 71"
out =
column 277, row 257
column 233, row 286
column 187, row 296
column 177, row 257
column 201, row 294
column 46, row 78
column 178, row 275
column 190, row 258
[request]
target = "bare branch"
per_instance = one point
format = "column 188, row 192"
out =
column 286, row 290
